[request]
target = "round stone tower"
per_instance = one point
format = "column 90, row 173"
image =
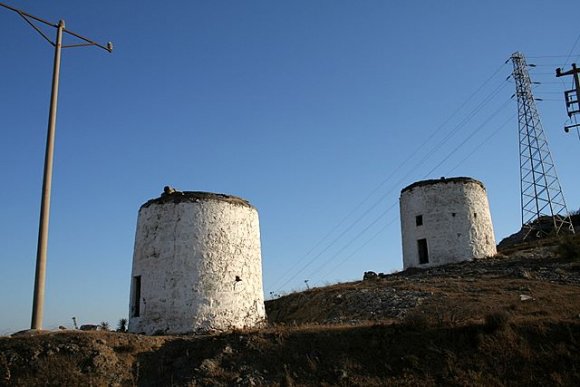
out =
column 445, row 221
column 197, row 265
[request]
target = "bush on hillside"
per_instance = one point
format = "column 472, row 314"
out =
column 569, row 248
column 496, row 321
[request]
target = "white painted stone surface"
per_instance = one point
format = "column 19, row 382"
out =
column 456, row 221
column 200, row 265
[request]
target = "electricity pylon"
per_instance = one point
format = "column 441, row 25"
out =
column 543, row 205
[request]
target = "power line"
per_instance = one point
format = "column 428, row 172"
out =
column 373, row 237
column 367, row 198
column 481, row 144
column 395, row 203
column 470, row 116
column 461, row 162
column 571, row 51
column 380, row 200
column 503, row 106
column 546, row 56
column 348, row 244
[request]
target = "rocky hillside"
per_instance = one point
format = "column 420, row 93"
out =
column 543, row 224
column 468, row 290
column 511, row 319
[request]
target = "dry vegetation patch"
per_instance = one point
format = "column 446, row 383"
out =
column 506, row 320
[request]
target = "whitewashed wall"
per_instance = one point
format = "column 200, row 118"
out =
column 456, row 221
column 199, row 258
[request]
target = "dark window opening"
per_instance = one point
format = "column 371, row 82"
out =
column 423, row 252
column 475, row 214
column 453, row 214
column 419, row 220
column 136, row 296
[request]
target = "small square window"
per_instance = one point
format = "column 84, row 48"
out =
column 419, row 220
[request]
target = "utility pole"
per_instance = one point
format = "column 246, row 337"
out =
column 572, row 97
column 542, row 199
column 40, row 273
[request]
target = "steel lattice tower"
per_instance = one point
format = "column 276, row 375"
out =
column 543, row 206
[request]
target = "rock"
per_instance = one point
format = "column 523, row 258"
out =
column 208, row 365
column 70, row 348
column 89, row 327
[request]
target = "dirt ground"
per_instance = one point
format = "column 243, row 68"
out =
column 509, row 320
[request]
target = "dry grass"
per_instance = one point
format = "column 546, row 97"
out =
column 569, row 248
column 472, row 329
column 414, row 352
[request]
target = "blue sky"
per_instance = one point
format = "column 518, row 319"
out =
column 317, row 112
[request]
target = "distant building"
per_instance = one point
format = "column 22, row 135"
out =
column 445, row 221
column 196, row 265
